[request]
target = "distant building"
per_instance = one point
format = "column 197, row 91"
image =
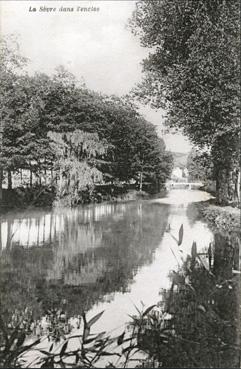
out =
column 186, row 173
column 179, row 174
column 176, row 173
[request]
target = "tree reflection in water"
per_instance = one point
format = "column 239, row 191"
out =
column 198, row 321
column 93, row 253
column 96, row 253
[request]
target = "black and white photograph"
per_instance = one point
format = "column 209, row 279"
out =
column 120, row 184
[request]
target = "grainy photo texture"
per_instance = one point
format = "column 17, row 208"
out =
column 120, row 184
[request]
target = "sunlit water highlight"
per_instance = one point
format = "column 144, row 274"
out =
column 150, row 279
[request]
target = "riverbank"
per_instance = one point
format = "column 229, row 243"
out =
column 224, row 219
column 45, row 197
column 22, row 198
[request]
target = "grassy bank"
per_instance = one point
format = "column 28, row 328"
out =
column 224, row 219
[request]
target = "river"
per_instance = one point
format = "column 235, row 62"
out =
column 103, row 257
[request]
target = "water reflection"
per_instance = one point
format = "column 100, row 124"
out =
column 80, row 255
column 112, row 256
column 36, row 227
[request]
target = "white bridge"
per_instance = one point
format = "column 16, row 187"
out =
column 184, row 185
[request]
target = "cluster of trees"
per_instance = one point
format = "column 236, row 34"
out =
column 56, row 124
column 193, row 71
column 199, row 165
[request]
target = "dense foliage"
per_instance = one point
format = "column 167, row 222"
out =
column 32, row 106
column 193, row 71
column 201, row 331
column 77, row 155
column 199, row 165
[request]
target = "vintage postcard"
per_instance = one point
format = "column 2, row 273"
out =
column 119, row 184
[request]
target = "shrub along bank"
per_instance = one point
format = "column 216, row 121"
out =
column 224, row 219
column 22, row 198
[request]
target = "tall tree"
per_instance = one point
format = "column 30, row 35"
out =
column 193, row 71
column 77, row 154
column 12, row 63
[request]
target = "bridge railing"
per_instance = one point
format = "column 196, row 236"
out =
column 184, row 185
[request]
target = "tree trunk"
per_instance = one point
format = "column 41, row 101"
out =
column 31, row 178
column 0, row 236
column 21, row 177
column 141, row 181
column 9, row 234
column 226, row 161
column 1, row 168
column 1, row 185
column 223, row 257
column 158, row 185
column 50, row 228
column 227, row 186
column 10, row 186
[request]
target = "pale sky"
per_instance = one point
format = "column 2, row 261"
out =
column 95, row 46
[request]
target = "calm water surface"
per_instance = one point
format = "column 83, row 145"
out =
column 113, row 257
column 100, row 257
